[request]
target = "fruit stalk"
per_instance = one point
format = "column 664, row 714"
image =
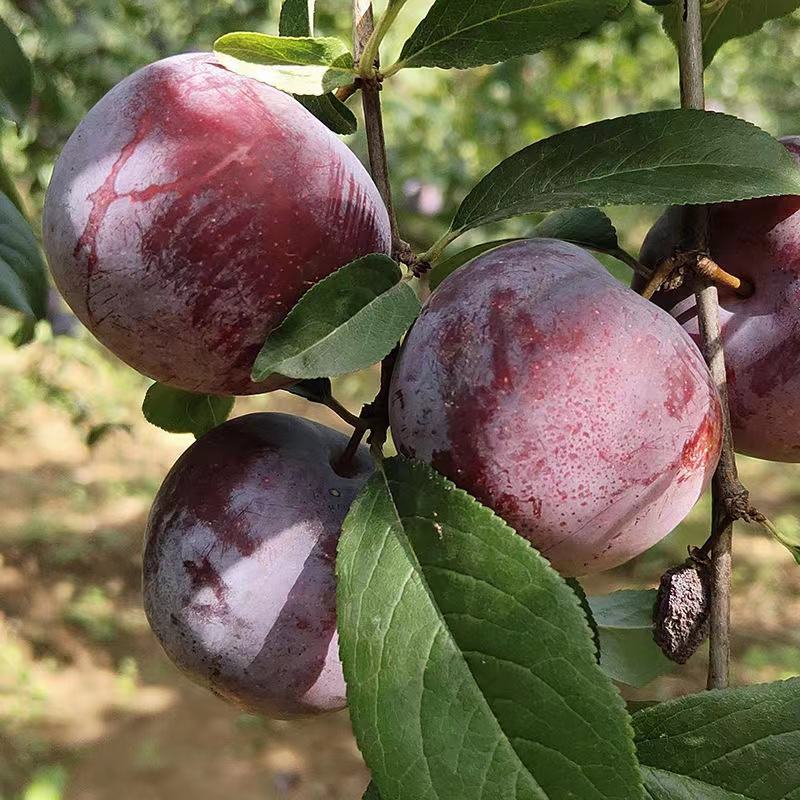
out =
column 726, row 483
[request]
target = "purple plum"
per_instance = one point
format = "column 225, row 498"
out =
column 239, row 583
column 191, row 209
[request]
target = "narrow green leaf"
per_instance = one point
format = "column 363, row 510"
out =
column 25, row 332
column 346, row 322
column 587, row 227
column 298, row 65
column 330, row 112
column 736, row 744
column 178, row 411
column 99, row 432
column 16, row 75
column 625, row 623
column 317, row 390
column 469, row 664
column 656, row 158
column 787, row 532
column 297, row 18
column 468, row 33
column 451, row 264
column 724, row 20
column 23, row 282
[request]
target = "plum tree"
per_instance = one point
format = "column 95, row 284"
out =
column 191, row 209
column 758, row 240
column 578, row 411
column 239, row 582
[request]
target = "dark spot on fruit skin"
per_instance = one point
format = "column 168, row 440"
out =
column 701, row 450
column 202, row 575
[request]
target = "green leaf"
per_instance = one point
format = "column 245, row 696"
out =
column 587, row 227
column 297, row 18
column 787, row 532
column 628, row 652
column 298, row 65
column 371, row 793
column 99, row 432
column 16, row 75
column 724, row 20
column 469, row 664
column 576, row 587
column 25, row 332
column 330, row 112
column 656, row 158
column 468, row 33
column 178, row 411
column 451, row 264
column 23, row 281
column 736, row 744
column 317, row 390
column 9, row 188
column 346, row 322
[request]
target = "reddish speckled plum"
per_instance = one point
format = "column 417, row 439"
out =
column 239, row 583
column 578, row 411
column 191, row 209
column 758, row 240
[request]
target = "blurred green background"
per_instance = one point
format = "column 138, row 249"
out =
column 89, row 707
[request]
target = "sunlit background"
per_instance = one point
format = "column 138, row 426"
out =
column 90, row 709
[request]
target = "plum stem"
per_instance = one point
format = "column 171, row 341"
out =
column 710, row 269
column 344, row 464
column 725, row 485
column 344, row 93
column 700, row 263
column 351, row 419
column 369, row 55
column 363, row 30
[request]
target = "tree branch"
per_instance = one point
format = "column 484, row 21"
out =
column 363, row 30
column 726, row 489
column 363, row 27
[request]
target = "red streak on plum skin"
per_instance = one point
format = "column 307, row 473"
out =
column 189, row 212
column 536, row 382
column 101, row 200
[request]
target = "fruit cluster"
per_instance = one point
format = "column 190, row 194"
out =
column 189, row 212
